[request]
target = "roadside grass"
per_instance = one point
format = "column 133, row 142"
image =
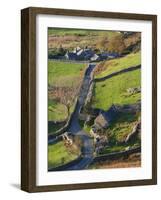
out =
column 85, row 127
column 113, row 90
column 118, row 64
column 59, row 154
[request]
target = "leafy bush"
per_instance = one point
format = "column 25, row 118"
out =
column 56, row 52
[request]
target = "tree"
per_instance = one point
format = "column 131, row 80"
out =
column 61, row 51
column 116, row 44
column 102, row 43
column 66, row 95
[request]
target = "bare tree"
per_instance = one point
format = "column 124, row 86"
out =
column 116, row 44
column 66, row 95
column 102, row 43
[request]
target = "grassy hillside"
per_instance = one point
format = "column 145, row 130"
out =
column 64, row 31
column 64, row 73
column 118, row 64
column 113, row 90
column 118, row 131
column 77, row 32
column 59, row 154
column 56, row 111
column 70, row 38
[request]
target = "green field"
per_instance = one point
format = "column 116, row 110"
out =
column 64, row 32
column 118, row 148
column 118, row 64
column 65, row 78
column 122, row 126
column 58, row 154
column 118, row 130
column 62, row 74
column 79, row 32
column 56, row 111
column 113, row 90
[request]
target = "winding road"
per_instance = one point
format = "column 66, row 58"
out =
column 75, row 129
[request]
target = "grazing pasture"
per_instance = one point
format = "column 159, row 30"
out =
column 118, row 64
column 59, row 154
column 114, row 90
column 62, row 75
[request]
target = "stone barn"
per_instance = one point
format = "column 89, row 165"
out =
column 104, row 118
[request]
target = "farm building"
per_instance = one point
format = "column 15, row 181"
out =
column 88, row 55
column 95, row 57
column 79, row 54
column 70, row 56
column 105, row 117
column 84, row 54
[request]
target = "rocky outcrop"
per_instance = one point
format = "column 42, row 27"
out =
column 134, row 90
column 134, row 133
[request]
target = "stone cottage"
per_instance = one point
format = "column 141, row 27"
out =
column 104, row 118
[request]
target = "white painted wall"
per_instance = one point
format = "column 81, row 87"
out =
column 10, row 98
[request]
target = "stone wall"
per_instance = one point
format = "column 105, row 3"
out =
column 65, row 127
column 116, row 155
column 53, row 123
column 117, row 73
column 89, row 96
column 52, row 140
column 67, row 165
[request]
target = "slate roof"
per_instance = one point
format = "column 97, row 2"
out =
column 88, row 54
column 95, row 57
column 105, row 117
column 71, row 55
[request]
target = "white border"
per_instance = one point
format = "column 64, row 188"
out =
column 87, row 176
